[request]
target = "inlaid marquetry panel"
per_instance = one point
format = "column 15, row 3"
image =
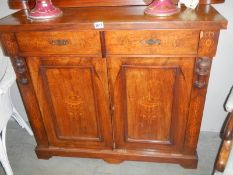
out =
column 151, row 100
column 152, row 42
column 73, row 97
column 73, row 101
column 149, row 104
column 208, row 43
column 56, row 42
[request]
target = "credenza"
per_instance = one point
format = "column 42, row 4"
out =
column 132, row 90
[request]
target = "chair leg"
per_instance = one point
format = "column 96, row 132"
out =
column 4, row 140
column 21, row 121
column 3, row 154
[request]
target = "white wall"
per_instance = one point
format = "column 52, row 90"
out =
column 221, row 75
column 221, row 78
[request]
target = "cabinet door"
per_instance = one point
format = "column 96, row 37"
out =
column 73, row 97
column 150, row 102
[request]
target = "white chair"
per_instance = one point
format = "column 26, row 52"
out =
column 7, row 110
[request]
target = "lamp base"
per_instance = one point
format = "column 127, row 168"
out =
column 162, row 8
column 44, row 9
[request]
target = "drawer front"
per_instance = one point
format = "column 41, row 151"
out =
column 152, row 42
column 68, row 42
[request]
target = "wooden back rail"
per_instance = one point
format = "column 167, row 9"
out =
column 17, row 4
column 226, row 146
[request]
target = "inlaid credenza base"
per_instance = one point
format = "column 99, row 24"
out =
column 118, row 156
column 134, row 90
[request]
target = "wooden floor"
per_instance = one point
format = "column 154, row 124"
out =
column 24, row 161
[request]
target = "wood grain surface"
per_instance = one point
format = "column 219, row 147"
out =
column 152, row 42
column 75, row 111
column 150, row 99
column 62, row 42
column 133, row 90
column 118, row 18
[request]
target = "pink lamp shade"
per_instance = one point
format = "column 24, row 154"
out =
column 162, row 8
column 44, row 9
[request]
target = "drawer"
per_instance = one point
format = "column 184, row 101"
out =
column 152, row 42
column 65, row 42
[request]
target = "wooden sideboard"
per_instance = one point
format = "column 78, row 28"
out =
column 134, row 90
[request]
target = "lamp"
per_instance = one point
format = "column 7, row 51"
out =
column 162, row 8
column 44, row 9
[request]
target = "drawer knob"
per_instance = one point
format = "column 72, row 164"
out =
column 59, row 42
column 153, row 42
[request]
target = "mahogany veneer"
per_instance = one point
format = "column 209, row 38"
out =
column 134, row 90
column 65, row 42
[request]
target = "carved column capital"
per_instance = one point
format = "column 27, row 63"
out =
column 20, row 69
column 203, row 66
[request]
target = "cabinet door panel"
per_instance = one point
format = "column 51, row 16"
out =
column 151, row 99
column 73, row 96
column 147, row 105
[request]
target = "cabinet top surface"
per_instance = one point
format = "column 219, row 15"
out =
column 118, row 18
